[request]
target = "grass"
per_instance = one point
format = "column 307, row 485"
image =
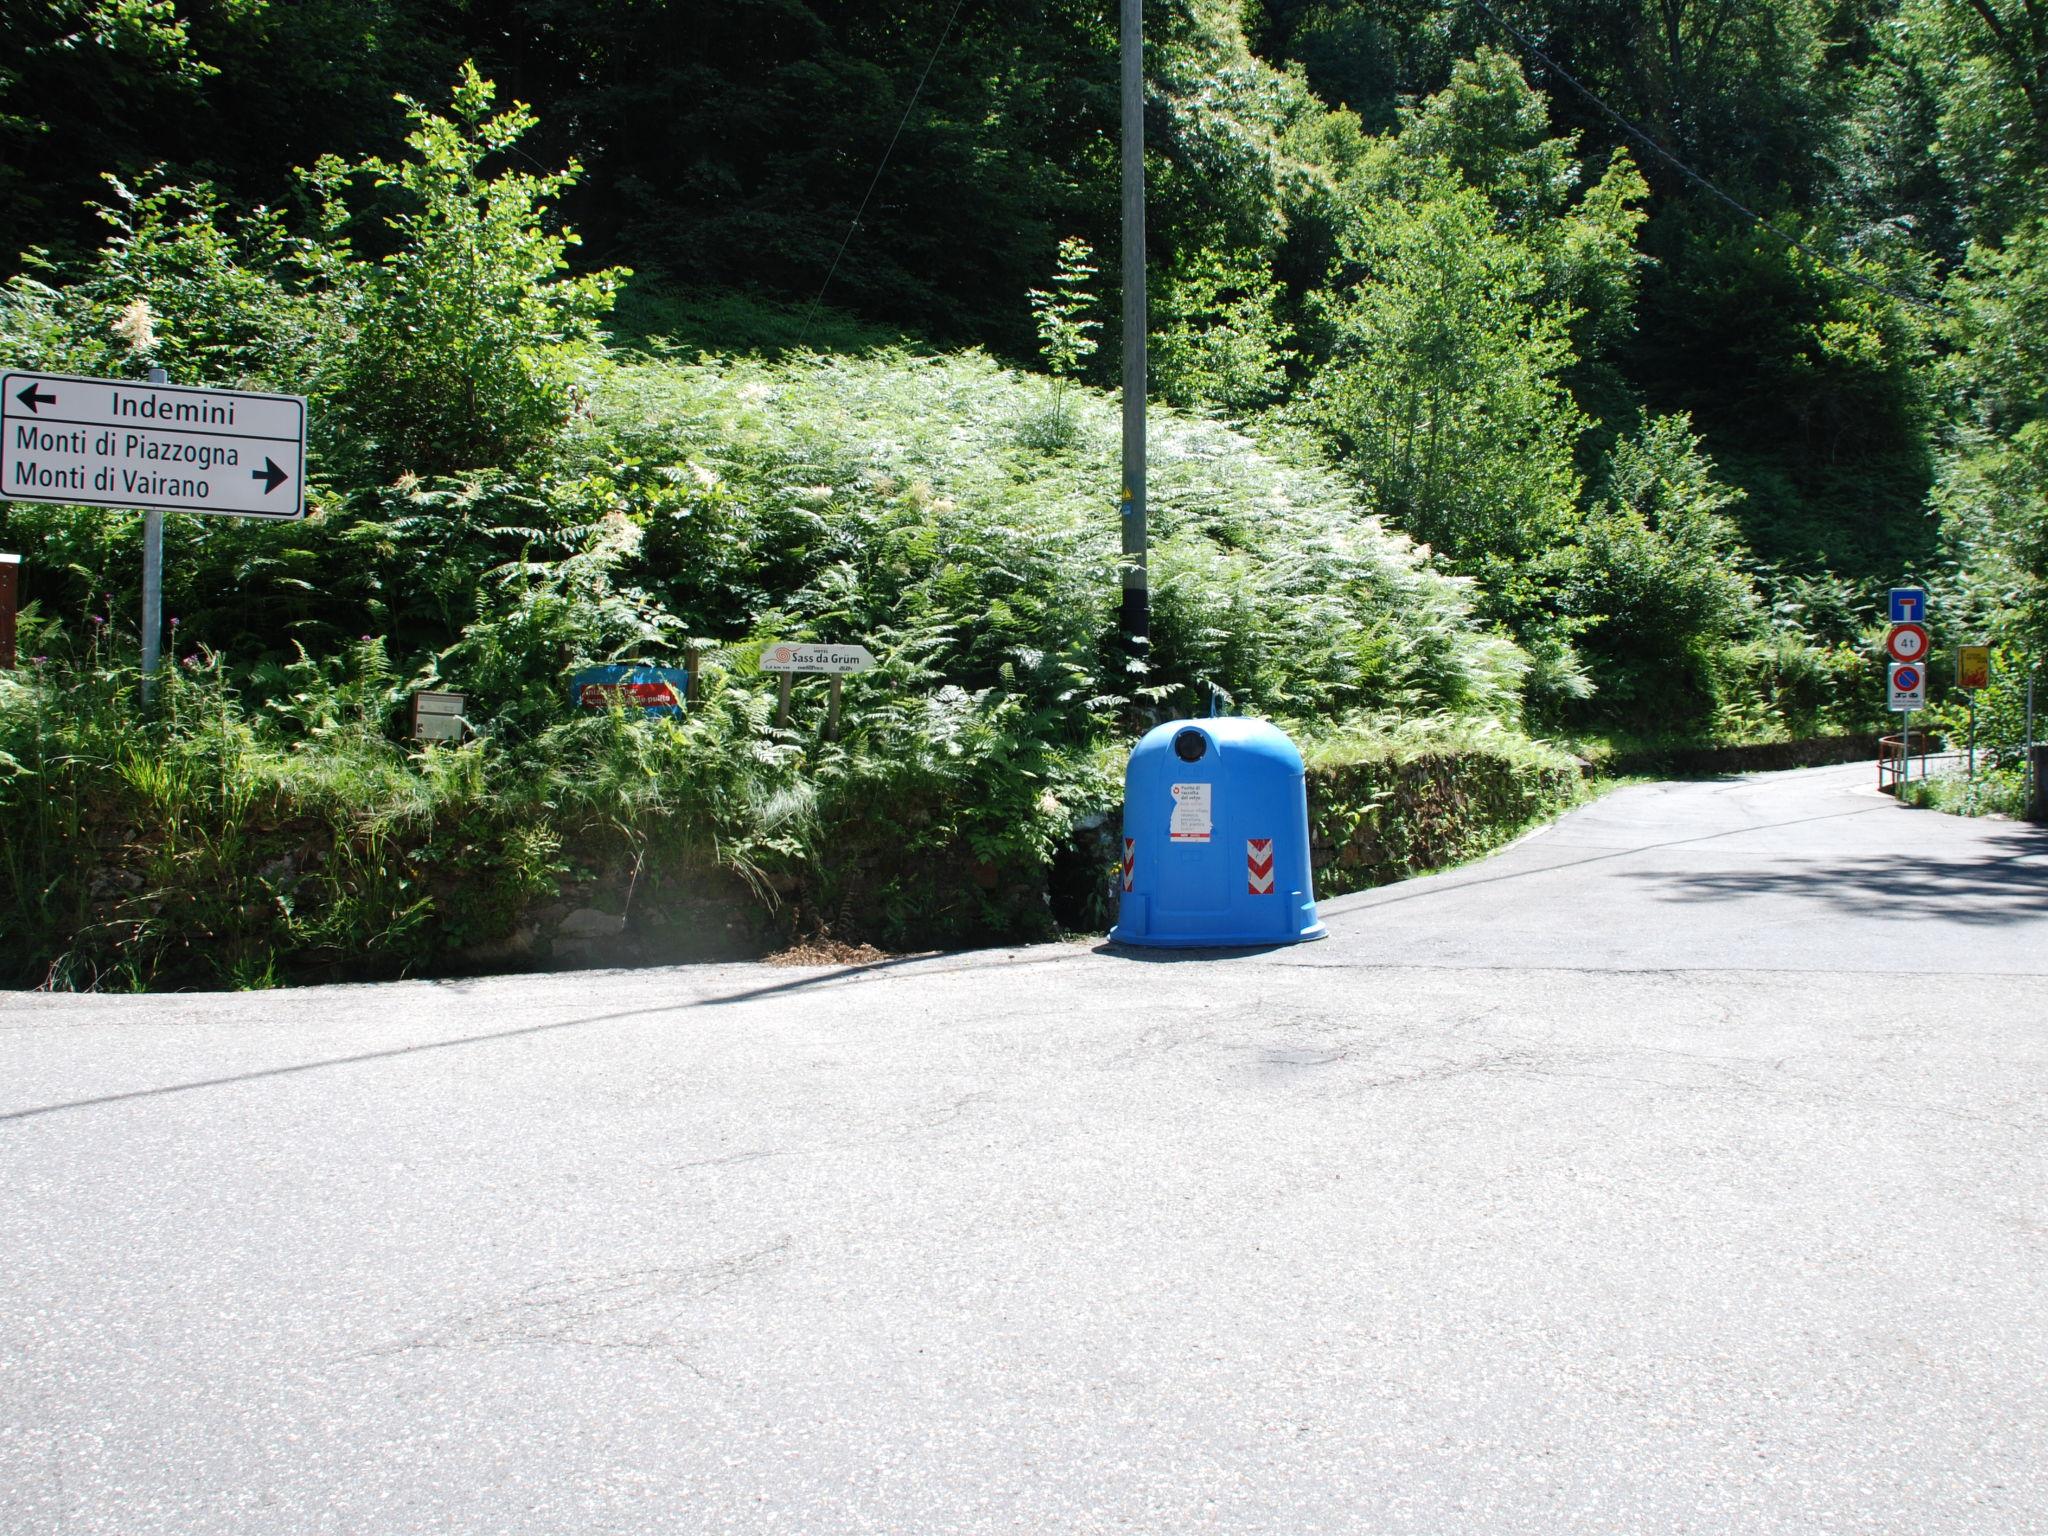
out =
column 1993, row 792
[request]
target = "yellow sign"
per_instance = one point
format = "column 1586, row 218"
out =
column 1973, row 667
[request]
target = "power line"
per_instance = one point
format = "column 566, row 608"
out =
column 882, row 164
column 1641, row 137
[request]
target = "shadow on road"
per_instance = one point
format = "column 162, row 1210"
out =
column 1421, row 887
column 1208, row 953
column 840, row 973
column 1999, row 886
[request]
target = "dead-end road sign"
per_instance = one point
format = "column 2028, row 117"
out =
column 151, row 447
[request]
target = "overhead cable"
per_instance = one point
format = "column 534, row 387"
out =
column 875, row 181
column 1529, row 47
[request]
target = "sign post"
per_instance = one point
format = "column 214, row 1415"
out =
column 156, row 447
column 1908, row 692
column 1907, row 644
column 152, row 586
column 1973, row 671
column 788, row 658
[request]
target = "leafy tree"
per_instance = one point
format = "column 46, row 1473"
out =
column 1984, row 63
column 1994, row 485
column 1443, row 389
column 179, row 283
column 1218, row 339
column 1491, row 127
column 1659, row 573
column 458, row 347
column 79, row 81
column 1066, row 330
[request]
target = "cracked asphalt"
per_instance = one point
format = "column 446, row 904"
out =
column 1680, row 1169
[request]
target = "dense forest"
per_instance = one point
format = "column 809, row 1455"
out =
column 1576, row 369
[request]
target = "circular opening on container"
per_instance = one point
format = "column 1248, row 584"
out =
column 1191, row 746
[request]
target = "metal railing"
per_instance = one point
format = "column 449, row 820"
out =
column 1895, row 754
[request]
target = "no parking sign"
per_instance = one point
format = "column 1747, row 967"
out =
column 1908, row 686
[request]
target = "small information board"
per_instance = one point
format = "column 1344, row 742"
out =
column 1973, row 667
column 151, row 447
column 787, row 656
column 438, row 716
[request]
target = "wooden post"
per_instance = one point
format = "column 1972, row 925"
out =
column 693, row 660
column 782, row 702
column 832, row 712
column 10, row 604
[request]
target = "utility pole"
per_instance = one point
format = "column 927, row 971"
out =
column 1137, row 602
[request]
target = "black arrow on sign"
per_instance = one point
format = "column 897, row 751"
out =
column 271, row 476
column 33, row 398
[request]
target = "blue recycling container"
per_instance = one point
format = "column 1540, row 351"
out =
column 1216, row 838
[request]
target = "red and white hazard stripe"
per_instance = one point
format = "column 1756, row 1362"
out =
column 1258, row 865
column 1130, row 860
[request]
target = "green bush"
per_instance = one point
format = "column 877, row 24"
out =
column 1400, row 799
column 461, row 346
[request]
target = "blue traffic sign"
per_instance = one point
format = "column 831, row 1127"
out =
column 1909, row 605
column 1906, row 679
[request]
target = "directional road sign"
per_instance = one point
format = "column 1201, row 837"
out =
column 1907, row 642
column 1909, row 605
column 152, row 447
column 786, row 656
column 1909, row 686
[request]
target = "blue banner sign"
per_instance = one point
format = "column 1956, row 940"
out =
column 657, row 690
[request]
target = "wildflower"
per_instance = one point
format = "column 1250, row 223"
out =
column 137, row 327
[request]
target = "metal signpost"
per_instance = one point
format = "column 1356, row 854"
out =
column 1908, row 692
column 789, row 658
column 1908, row 644
column 1973, row 671
column 2037, row 782
column 152, row 447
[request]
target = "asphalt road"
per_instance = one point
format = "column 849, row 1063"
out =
column 1680, row 1169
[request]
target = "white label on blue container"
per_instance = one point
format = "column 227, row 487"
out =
column 1193, row 813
